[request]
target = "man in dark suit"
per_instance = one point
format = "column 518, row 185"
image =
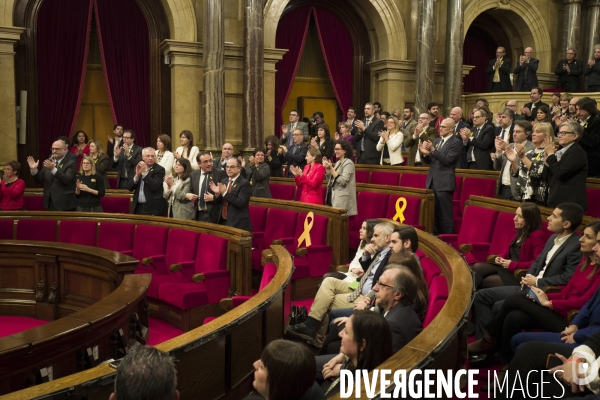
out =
column 114, row 143
column 513, row 105
column 287, row 130
column 499, row 71
column 126, row 158
column 568, row 167
column 147, row 184
column 456, row 114
column 58, row 177
column 554, row 266
column 479, row 142
column 529, row 110
column 368, row 137
column 233, row 194
column 206, row 210
column 296, row 154
column 526, row 72
column 226, row 154
column 506, row 118
column 443, row 156
column 587, row 112
column 569, row 72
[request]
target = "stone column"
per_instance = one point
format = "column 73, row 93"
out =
column 425, row 54
column 592, row 30
column 252, row 113
column 213, row 98
column 8, row 124
column 454, row 56
column 571, row 25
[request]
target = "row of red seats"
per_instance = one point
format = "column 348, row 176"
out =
column 111, row 204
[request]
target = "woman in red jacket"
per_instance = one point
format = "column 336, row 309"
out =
column 12, row 188
column 525, row 247
column 310, row 181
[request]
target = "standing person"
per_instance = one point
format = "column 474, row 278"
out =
column 569, row 72
column 587, row 112
column 499, row 71
column 479, row 143
column 409, row 122
column 274, row 156
column 126, row 158
column 79, row 146
column 317, row 120
column 422, row 133
column 323, row 142
column 345, row 133
column 295, row 155
column 175, row 190
column 526, row 71
column 310, row 181
column 505, row 127
column 100, row 159
column 390, row 143
column 164, row 156
column 592, row 71
column 433, row 109
column 58, row 177
column 226, row 154
column 114, row 143
column 341, row 186
column 529, row 110
column 443, row 156
column 206, row 210
column 560, row 114
column 147, row 184
column 187, row 149
column 233, row 194
column 367, row 137
column 12, row 188
column 258, row 174
column 89, row 187
column 286, row 130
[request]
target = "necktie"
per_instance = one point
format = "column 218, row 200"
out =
column 203, row 191
column 497, row 74
column 362, row 142
column 55, row 163
column 225, row 203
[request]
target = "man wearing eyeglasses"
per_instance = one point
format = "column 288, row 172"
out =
column 126, row 158
column 287, row 130
column 233, row 194
column 569, row 72
column 568, row 167
column 479, row 142
column 206, row 210
column 226, row 154
column 296, row 153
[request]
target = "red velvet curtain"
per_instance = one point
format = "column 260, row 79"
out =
column 477, row 51
column 63, row 31
column 124, row 46
column 338, row 52
column 291, row 35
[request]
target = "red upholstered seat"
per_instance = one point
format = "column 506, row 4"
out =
column 411, row 212
column 34, row 203
column 258, row 217
column 438, row 294
column 430, row 270
column 115, row 204
column 6, row 229
column 282, row 192
column 268, row 274
column 116, row 236
column 112, row 182
column 36, row 229
column 473, row 187
column 593, row 195
column 476, row 230
column 78, row 232
column 413, row 180
column 280, row 224
column 504, row 233
column 148, row 241
column 362, row 176
column 370, row 205
column 385, row 178
column 433, row 309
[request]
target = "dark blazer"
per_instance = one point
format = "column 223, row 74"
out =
column 216, row 176
column 569, row 81
column 504, row 73
column 296, row 156
column 498, row 131
column 275, row 164
column 482, row 145
column 153, row 190
column 568, row 177
column 412, row 144
column 60, row 186
column 443, row 164
column 533, row 115
column 103, row 163
column 285, row 139
column 404, row 324
column 593, row 74
column 259, row 176
column 531, row 248
column 130, row 161
column 561, row 266
column 110, row 148
column 590, row 142
column 326, row 148
column 371, row 136
column 499, row 164
column 463, row 154
column 239, row 199
column 526, row 73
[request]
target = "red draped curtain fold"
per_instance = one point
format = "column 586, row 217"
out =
column 63, row 31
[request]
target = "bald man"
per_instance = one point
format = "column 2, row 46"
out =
column 526, row 71
column 457, row 115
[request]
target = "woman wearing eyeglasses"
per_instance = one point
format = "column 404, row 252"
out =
column 341, row 187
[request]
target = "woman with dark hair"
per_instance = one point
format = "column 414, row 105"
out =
column 187, row 149
column 341, row 187
column 310, row 181
column 323, row 142
column 100, row 159
column 525, row 247
column 175, row 190
column 164, row 156
column 549, row 311
column 366, row 341
column 542, row 115
column 12, row 188
column 286, row 371
column 79, row 146
column 258, row 173
column 89, row 187
column 274, row 156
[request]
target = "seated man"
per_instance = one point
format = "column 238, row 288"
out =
column 335, row 293
column 554, row 266
column 146, row 373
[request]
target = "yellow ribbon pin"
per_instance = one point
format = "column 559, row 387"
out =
column 305, row 237
column 400, row 210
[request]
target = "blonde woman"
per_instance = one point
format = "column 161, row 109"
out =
column 100, row 159
column 89, row 187
column 390, row 143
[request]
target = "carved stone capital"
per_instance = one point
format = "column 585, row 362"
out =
column 567, row 2
column 592, row 3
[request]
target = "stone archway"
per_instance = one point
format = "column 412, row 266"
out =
column 533, row 25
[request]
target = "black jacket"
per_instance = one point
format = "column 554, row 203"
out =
column 568, row 177
column 504, row 73
column 153, row 190
column 569, row 81
column 60, row 186
column 590, row 142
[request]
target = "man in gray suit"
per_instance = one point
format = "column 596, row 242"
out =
column 287, row 130
column 506, row 186
column 203, row 197
column 443, row 156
